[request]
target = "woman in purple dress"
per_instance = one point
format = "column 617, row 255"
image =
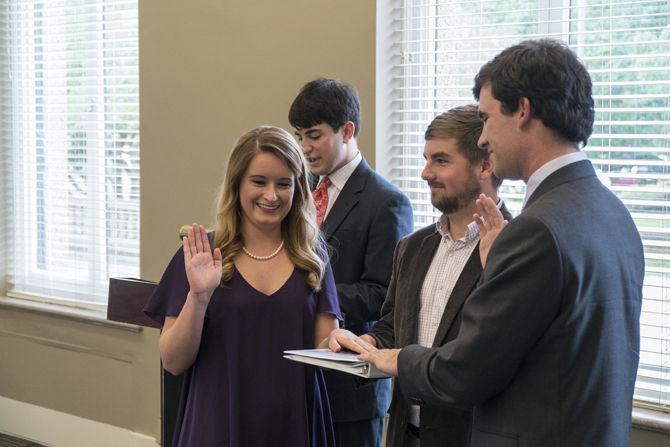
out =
column 229, row 313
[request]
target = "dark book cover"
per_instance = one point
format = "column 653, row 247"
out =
column 126, row 300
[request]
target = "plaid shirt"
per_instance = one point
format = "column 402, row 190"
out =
column 445, row 269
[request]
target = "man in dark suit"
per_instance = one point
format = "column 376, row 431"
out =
column 362, row 217
column 434, row 271
column 549, row 342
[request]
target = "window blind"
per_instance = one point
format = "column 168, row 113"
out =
column 4, row 161
column 429, row 56
column 70, row 142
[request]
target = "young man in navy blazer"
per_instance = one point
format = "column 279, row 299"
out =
column 549, row 342
column 362, row 217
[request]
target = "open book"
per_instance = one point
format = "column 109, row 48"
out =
column 340, row 361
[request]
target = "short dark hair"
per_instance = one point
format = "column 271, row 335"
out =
column 464, row 125
column 326, row 101
column 553, row 79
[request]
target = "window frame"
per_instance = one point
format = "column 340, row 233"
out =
column 387, row 75
column 85, row 284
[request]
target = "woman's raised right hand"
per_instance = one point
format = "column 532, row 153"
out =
column 203, row 266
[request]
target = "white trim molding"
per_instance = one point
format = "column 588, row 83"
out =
column 57, row 429
column 652, row 419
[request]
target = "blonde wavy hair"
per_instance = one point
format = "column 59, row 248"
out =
column 302, row 241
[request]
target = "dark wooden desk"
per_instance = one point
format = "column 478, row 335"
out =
column 125, row 303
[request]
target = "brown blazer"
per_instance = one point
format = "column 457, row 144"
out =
column 440, row 426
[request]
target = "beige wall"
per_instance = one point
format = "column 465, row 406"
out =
column 100, row 373
column 209, row 70
column 644, row 438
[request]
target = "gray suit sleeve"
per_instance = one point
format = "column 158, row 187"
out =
column 503, row 318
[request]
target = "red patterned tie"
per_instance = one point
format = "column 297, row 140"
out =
column 320, row 195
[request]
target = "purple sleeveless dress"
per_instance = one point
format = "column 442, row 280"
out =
column 240, row 391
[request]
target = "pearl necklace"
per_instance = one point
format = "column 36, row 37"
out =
column 263, row 258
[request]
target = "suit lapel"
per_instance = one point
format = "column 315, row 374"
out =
column 419, row 268
column 346, row 199
column 466, row 281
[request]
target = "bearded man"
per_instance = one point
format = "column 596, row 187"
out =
column 434, row 271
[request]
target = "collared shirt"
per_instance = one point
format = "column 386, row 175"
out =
column 446, row 267
column 549, row 168
column 338, row 179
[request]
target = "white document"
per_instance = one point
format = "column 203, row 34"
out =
column 340, row 361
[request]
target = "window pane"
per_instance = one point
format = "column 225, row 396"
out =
column 73, row 137
column 437, row 49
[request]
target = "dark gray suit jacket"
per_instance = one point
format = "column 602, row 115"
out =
column 398, row 328
column 549, row 342
column 362, row 229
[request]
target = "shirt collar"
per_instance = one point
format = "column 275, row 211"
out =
column 339, row 178
column 549, row 168
column 472, row 233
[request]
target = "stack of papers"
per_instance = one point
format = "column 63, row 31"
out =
column 340, row 361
